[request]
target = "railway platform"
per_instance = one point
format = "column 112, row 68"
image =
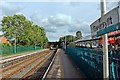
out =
column 63, row 67
column 74, row 63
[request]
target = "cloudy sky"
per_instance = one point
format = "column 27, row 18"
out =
column 58, row 18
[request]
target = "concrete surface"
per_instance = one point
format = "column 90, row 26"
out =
column 69, row 69
column 63, row 67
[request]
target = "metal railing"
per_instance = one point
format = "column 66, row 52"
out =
column 10, row 49
column 91, row 62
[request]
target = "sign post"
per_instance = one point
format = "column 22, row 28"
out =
column 108, row 22
column 105, row 45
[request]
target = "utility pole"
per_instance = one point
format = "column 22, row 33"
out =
column 105, row 46
column 65, row 42
column 15, row 47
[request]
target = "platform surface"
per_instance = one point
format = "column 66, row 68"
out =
column 63, row 67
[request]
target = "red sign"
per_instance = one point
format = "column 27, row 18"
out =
column 118, row 39
column 111, row 40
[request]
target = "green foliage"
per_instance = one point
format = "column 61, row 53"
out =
column 24, row 31
column 71, row 38
column 78, row 35
column 68, row 38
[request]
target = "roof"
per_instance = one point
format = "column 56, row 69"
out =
column 3, row 39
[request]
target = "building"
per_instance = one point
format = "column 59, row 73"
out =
column 4, row 40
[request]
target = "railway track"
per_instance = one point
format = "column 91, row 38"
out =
column 25, row 67
column 16, row 59
column 17, row 55
column 40, row 63
column 42, row 72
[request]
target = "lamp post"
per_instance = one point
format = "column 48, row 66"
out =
column 105, row 46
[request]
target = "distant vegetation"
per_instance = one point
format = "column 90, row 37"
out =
column 78, row 35
column 18, row 28
column 71, row 38
column 68, row 38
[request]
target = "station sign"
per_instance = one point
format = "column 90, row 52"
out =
column 108, row 23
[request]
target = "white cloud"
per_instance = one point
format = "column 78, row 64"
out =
column 52, row 23
column 36, row 18
column 60, row 20
column 52, row 36
column 58, row 24
column 9, row 9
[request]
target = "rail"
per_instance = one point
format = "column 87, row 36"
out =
column 49, row 67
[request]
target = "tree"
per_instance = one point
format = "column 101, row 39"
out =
column 78, row 35
column 13, row 26
column 17, row 27
column 69, row 38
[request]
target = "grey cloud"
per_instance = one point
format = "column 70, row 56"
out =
column 85, row 28
column 50, row 29
column 74, row 28
column 37, row 19
column 57, row 25
column 79, row 26
column 52, row 23
column 48, row 26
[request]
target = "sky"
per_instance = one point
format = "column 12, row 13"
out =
column 58, row 18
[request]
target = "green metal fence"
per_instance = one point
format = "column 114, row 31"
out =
column 19, row 49
column 90, row 61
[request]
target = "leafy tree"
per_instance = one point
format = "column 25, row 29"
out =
column 17, row 27
column 78, row 35
column 68, row 38
column 26, row 37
